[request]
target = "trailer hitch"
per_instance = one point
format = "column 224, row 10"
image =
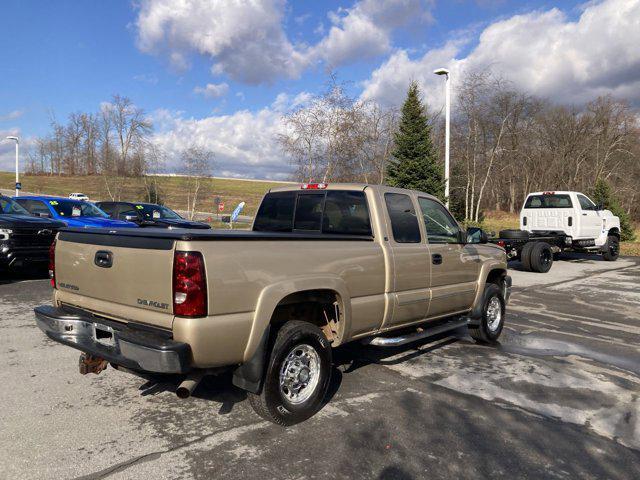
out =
column 90, row 364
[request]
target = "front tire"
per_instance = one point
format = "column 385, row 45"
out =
column 492, row 320
column 611, row 249
column 297, row 375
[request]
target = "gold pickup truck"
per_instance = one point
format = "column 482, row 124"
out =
column 323, row 265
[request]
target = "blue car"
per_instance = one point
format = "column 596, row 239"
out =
column 74, row 213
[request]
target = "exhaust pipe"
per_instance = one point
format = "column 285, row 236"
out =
column 189, row 384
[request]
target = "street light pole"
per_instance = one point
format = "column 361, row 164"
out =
column 15, row 139
column 447, row 120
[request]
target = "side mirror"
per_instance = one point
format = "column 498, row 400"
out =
column 600, row 206
column 476, row 235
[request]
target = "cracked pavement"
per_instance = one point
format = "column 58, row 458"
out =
column 558, row 398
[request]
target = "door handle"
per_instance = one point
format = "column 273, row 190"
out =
column 436, row 259
column 103, row 259
column 584, row 214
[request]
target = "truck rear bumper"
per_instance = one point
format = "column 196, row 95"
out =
column 134, row 347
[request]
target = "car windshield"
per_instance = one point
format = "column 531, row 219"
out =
column 151, row 212
column 10, row 207
column 73, row 208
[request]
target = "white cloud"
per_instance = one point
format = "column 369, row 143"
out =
column 541, row 52
column 365, row 30
column 8, row 149
column 213, row 90
column 15, row 114
column 246, row 40
column 244, row 143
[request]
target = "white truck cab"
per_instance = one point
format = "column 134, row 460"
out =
column 572, row 213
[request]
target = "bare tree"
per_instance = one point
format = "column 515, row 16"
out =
column 336, row 138
column 131, row 127
column 197, row 166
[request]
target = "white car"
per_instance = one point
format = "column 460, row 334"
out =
column 78, row 196
column 588, row 225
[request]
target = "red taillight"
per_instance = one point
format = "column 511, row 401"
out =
column 501, row 243
column 189, row 285
column 52, row 264
column 314, row 186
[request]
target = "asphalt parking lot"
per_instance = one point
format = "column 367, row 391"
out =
column 558, row 398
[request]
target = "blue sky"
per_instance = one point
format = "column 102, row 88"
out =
column 67, row 56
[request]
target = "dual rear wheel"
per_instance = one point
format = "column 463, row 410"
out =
column 537, row 257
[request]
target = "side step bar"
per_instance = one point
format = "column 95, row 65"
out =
column 412, row 337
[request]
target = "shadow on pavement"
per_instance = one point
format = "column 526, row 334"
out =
column 13, row 277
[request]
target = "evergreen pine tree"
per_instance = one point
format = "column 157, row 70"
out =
column 415, row 163
column 603, row 195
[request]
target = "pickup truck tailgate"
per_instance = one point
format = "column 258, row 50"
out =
column 128, row 279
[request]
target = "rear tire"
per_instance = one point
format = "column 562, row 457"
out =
column 541, row 257
column 611, row 249
column 525, row 256
column 514, row 234
column 297, row 375
column 492, row 319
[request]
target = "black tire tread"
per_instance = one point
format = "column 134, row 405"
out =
column 514, row 234
column 258, row 401
column 478, row 332
column 606, row 255
column 534, row 260
column 525, row 255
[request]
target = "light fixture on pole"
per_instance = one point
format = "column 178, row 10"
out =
column 15, row 139
column 447, row 120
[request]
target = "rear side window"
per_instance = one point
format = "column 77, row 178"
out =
column 346, row 213
column 126, row 211
column 404, row 222
column 276, row 213
column 548, row 201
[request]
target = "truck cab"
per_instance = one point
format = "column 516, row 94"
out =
column 571, row 213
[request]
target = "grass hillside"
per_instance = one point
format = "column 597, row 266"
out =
column 230, row 191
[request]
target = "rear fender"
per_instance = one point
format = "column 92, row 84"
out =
column 272, row 295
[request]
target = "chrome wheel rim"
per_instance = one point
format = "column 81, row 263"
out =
column 494, row 314
column 300, row 374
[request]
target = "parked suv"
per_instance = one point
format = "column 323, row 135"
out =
column 148, row 215
column 24, row 239
column 74, row 213
column 325, row 265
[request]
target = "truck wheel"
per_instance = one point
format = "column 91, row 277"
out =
column 611, row 249
column 492, row 320
column 541, row 257
column 297, row 375
column 525, row 255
